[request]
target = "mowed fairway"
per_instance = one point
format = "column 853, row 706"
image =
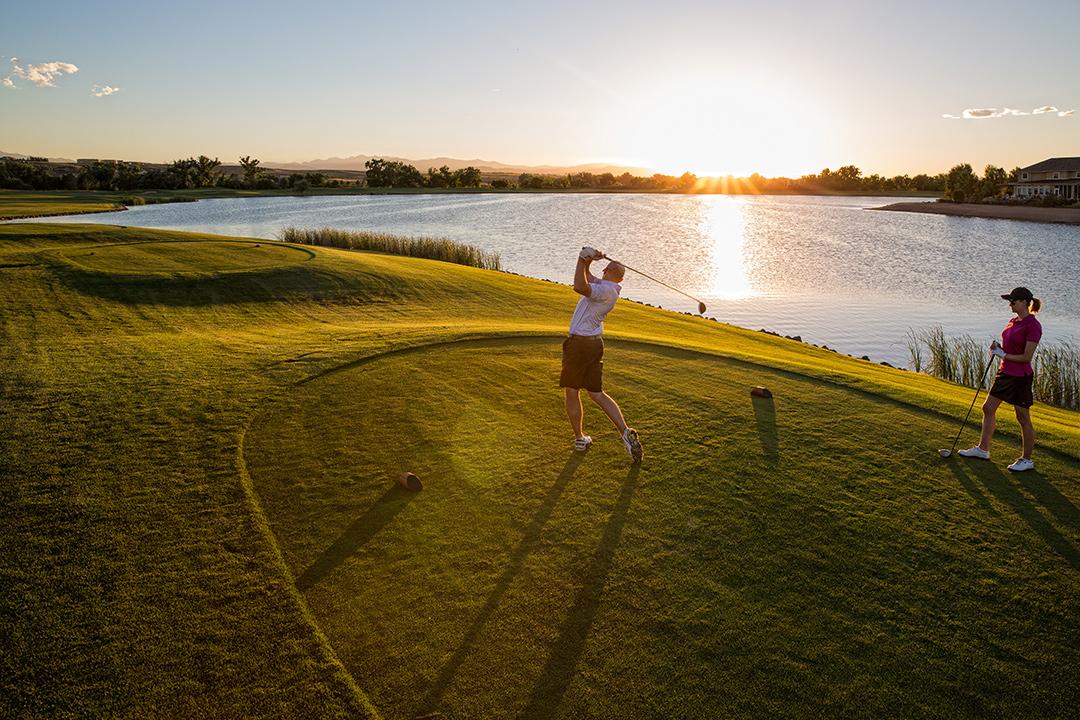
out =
column 767, row 558
column 199, row 519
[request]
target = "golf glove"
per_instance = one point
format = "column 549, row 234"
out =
column 997, row 351
column 590, row 253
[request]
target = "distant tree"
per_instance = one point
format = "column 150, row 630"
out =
column 501, row 184
column 467, row 177
column 961, row 183
column 528, row 180
column 206, row 171
column 251, row 169
column 301, row 186
column 847, row 177
column 390, row 173
column 440, row 178
column 993, row 183
column 185, row 173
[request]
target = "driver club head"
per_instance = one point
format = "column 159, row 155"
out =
column 944, row 453
column 701, row 308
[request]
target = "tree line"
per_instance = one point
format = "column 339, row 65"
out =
column 960, row 184
column 184, row 174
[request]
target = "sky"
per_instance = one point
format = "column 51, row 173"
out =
column 780, row 88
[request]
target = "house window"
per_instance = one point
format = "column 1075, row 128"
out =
column 1023, row 176
column 1055, row 176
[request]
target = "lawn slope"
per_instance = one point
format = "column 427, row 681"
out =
column 198, row 517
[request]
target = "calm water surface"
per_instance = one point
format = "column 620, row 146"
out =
column 825, row 268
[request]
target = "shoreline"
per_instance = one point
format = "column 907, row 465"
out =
column 1022, row 213
column 9, row 218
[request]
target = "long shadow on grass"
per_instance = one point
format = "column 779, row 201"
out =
column 529, row 540
column 765, row 416
column 356, row 536
column 1051, row 498
column 246, row 286
column 561, row 666
column 1002, row 488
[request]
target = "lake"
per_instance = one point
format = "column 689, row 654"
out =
column 826, row 268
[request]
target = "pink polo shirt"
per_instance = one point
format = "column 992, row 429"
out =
column 1014, row 339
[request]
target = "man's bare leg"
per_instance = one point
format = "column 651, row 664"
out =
column 574, row 411
column 610, row 407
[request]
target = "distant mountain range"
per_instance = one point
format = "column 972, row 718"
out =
column 20, row 156
column 356, row 162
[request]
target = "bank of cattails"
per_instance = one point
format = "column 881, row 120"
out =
column 433, row 248
column 962, row 359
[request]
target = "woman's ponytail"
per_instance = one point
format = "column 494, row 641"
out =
column 1036, row 305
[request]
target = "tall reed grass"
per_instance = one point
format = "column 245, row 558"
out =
column 962, row 359
column 424, row 247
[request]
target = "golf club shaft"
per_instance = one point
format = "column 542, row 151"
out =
column 978, row 388
column 654, row 279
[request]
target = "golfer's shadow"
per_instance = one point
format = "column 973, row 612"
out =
column 529, row 541
column 356, row 535
column 1003, row 488
column 561, row 667
column 765, row 417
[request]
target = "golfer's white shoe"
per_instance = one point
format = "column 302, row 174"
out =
column 1022, row 464
column 975, row 452
column 582, row 443
column 632, row 443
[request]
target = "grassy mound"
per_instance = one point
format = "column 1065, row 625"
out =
column 199, row 517
column 199, row 258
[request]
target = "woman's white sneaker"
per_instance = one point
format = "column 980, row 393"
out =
column 975, row 452
column 582, row 443
column 1022, row 464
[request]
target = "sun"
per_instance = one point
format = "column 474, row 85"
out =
column 723, row 126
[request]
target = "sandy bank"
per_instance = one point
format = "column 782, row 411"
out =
column 1069, row 216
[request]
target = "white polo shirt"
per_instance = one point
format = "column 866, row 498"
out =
column 590, row 311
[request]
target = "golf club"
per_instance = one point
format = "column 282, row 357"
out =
column 700, row 305
column 948, row 453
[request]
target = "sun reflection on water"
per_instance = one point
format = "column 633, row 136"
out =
column 723, row 230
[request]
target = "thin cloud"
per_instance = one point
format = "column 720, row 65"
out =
column 6, row 82
column 41, row 74
column 988, row 113
column 103, row 90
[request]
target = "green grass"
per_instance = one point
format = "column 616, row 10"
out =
column 199, row 516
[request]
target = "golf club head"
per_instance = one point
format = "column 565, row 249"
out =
column 701, row 308
column 944, row 453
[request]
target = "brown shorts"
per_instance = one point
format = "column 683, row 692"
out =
column 1013, row 389
column 583, row 363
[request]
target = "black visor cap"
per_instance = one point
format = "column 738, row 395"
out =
column 1020, row 293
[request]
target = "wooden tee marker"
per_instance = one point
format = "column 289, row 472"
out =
column 410, row 482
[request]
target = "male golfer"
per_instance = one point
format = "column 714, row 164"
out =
column 583, row 350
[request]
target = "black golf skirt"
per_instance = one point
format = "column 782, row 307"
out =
column 583, row 363
column 1017, row 391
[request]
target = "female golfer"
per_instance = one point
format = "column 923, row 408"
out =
column 1015, row 376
